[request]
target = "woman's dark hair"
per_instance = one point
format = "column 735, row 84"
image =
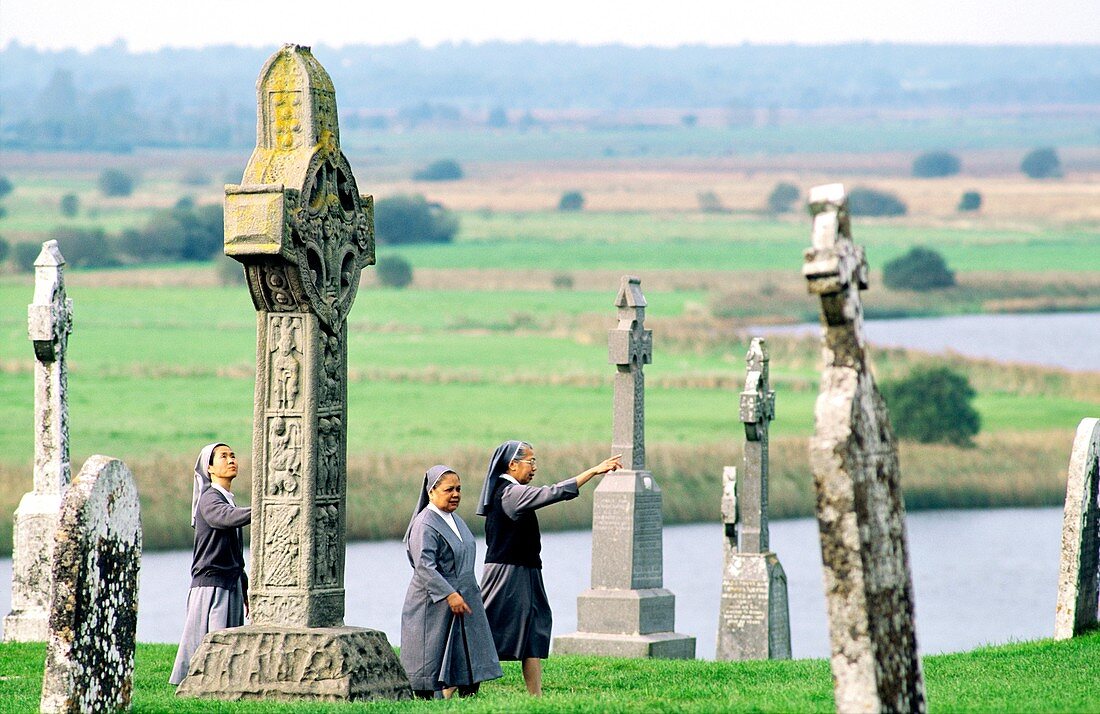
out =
column 212, row 451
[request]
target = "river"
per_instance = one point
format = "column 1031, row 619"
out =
column 980, row 577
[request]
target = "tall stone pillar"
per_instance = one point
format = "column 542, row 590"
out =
column 754, row 618
column 303, row 233
column 49, row 321
column 860, row 512
column 627, row 612
column 1079, row 572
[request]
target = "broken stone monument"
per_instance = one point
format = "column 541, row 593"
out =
column 93, row 615
column 1079, row 574
column 860, row 512
column 303, row 233
column 49, row 321
column 754, row 619
column 627, row 612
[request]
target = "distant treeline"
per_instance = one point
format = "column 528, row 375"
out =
column 113, row 99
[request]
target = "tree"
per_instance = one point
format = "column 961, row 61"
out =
column 782, row 197
column 571, row 201
column 394, row 271
column 6, row 186
column 919, row 269
column 24, row 255
column 411, row 219
column 970, row 201
column 115, row 182
column 871, row 202
column 936, row 164
column 709, row 202
column 70, row 204
column 5, row 248
column 85, row 247
column 1042, row 163
column 498, row 118
column 442, row 170
column 933, row 405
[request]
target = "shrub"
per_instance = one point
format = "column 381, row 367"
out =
column 23, row 255
column 70, row 204
column 710, row 203
column 5, row 249
column 919, row 269
column 1042, row 163
column 936, row 164
column 970, row 201
column 84, row 247
column 196, row 177
column 6, row 186
column 394, row 271
column 783, row 197
column 411, row 219
column 180, row 233
column 871, row 202
column 562, row 281
column 932, row 405
column 442, row 170
column 571, row 201
column 114, row 182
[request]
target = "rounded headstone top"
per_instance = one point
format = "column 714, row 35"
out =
column 50, row 256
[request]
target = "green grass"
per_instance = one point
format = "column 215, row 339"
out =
column 1040, row 676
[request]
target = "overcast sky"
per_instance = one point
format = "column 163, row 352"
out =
column 151, row 24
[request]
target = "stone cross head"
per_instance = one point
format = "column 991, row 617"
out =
column 835, row 265
column 757, row 401
column 49, row 316
column 630, row 345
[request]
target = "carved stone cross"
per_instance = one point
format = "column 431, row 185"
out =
column 757, row 409
column 630, row 346
column 49, row 322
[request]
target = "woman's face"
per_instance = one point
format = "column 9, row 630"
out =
column 224, row 463
column 523, row 467
column 447, row 492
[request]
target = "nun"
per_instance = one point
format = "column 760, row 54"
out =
column 218, row 597
column 445, row 639
column 511, row 584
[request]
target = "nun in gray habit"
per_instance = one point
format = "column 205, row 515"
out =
column 445, row 638
column 219, row 585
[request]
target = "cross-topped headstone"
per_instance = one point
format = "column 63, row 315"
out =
column 757, row 410
column 1079, row 571
column 303, row 233
column 627, row 612
column 49, row 322
column 860, row 512
column 630, row 347
column 754, row 620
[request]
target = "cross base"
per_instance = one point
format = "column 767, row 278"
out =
column 32, row 567
column 659, row 645
column 754, row 620
column 292, row 663
column 627, row 623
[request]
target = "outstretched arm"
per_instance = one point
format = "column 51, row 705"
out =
column 518, row 499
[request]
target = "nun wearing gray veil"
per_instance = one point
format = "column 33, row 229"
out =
column 445, row 638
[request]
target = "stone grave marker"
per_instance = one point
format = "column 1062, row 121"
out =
column 627, row 612
column 49, row 322
column 860, row 512
column 754, row 619
column 1079, row 573
column 303, row 232
column 93, row 615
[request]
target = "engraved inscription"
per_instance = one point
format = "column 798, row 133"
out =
column 744, row 603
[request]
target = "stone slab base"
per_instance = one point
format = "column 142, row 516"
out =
column 269, row 662
column 626, row 612
column 27, row 626
column 658, row 645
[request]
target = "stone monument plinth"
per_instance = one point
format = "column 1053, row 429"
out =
column 303, row 233
column 754, row 617
column 627, row 612
column 49, row 322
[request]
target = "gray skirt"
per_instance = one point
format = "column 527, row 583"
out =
column 518, row 611
column 209, row 608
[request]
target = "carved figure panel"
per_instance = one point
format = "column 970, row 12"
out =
column 284, row 339
column 282, row 545
column 328, row 555
column 284, row 443
column 329, row 468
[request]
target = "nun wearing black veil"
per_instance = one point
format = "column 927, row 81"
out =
column 511, row 585
column 445, row 638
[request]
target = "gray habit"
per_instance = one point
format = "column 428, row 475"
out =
column 209, row 608
column 439, row 649
column 515, row 596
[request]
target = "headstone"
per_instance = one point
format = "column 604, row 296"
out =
column 754, row 619
column 93, row 616
column 303, row 233
column 1079, row 573
column 49, row 321
column 860, row 512
column 627, row 612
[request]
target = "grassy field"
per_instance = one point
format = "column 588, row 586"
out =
column 1041, row 676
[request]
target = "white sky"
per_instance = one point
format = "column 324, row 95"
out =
column 150, row 24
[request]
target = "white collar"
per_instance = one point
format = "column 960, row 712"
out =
column 509, row 478
column 448, row 518
column 227, row 494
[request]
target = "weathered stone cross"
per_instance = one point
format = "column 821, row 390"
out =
column 630, row 347
column 49, row 321
column 757, row 410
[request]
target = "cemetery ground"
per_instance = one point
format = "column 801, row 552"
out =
column 1035, row 676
